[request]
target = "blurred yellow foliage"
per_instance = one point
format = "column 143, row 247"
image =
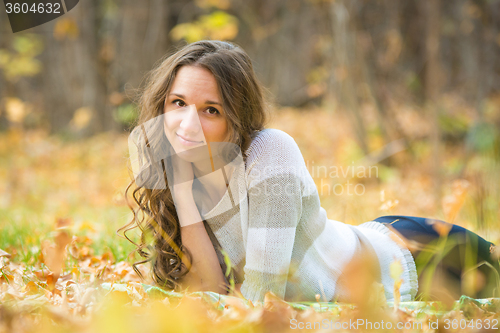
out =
column 81, row 118
column 66, row 28
column 21, row 61
column 218, row 25
column 16, row 110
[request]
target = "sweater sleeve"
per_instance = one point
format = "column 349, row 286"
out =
column 274, row 210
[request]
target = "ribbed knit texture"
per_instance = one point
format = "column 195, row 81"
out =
column 279, row 238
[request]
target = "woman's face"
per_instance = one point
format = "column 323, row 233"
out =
column 193, row 111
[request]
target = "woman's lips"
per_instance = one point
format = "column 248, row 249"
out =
column 187, row 142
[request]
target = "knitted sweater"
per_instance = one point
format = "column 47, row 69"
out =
column 278, row 237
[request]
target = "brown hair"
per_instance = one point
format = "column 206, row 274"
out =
column 246, row 113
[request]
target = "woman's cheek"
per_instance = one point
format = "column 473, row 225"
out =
column 171, row 122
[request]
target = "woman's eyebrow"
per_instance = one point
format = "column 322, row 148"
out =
column 206, row 102
column 212, row 102
column 178, row 95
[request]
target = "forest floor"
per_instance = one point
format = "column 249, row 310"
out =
column 62, row 201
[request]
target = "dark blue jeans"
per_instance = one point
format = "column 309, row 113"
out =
column 451, row 255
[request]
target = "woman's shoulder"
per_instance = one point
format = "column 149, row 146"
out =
column 274, row 146
column 271, row 139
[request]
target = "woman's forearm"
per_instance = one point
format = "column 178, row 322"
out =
column 205, row 273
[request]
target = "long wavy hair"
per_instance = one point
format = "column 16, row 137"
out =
column 246, row 112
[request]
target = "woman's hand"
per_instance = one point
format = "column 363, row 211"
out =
column 237, row 288
column 181, row 186
column 183, row 179
column 204, row 272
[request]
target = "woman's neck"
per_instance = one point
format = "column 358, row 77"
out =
column 214, row 183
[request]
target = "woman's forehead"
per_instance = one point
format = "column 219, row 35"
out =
column 195, row 82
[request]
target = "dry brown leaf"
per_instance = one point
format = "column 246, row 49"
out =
column 377, row 296
column 63, row 223
column 389, row 205
column 30, row 287
column 238, row 306
column 495, row 251
column 397, row 293
column 355, row 285
column 14, row 293
column 6, row 277
column 442, row 228
column 473, row 281
column 274, row 303
column 453, row 202
column 53, row 255
column 4, row 254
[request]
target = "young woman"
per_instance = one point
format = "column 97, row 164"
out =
column 214, row 184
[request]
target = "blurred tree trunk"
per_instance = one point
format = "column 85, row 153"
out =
column 133, row 42
column 433, row 81
column 110, row 54
column 71, row 70
column 4, row 26
column 136, row 40
column 377, row 79
column 345, row 69
column 279, row 37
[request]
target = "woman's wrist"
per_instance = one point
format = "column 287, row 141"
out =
column 186, row 208
column 183, row 194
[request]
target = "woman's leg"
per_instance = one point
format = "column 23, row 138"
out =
column 450, row 256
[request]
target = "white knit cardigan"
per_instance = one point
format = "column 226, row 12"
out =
column 278, row 237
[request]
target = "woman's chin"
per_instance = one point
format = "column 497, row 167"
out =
column 193, row 154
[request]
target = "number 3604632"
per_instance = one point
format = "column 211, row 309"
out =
column 473, row 323
column 25, row 8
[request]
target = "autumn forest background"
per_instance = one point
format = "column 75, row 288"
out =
column 409, row 87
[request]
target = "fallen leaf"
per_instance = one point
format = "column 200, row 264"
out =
column 4, row 254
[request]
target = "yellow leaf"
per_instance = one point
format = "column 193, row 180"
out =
column 389, row 204
column 81, row 118
column 453, row 202
column 395, row 269
column 16, row 110
column 377, row 296
column 65, row 27
column 86, row 226
column 397, row 294
column 442, row 228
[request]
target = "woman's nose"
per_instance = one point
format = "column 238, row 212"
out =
column 190, row 123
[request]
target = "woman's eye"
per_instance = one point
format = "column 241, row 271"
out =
column 213, row 111
column 178, row 102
